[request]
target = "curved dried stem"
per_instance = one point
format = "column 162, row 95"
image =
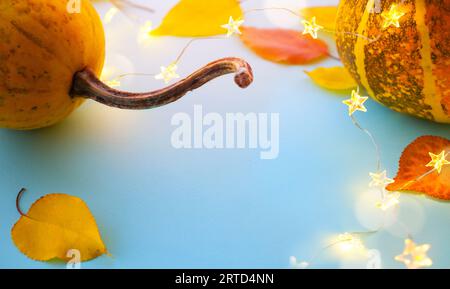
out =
column 86, row 84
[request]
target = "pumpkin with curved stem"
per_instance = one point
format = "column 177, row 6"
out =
column 406, row 66
column 50, row 61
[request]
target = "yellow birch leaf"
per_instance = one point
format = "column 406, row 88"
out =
column 334, row 78
column 198, row 18
column 56, row 224
column 325, row 16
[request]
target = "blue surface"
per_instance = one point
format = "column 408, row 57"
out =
column 158, row 207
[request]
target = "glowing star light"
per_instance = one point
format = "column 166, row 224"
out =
column 106, row 77
column 311, row 27
column 110, row 15
column 389, row 201
column 168, row 73
column 348, row 242
column 415, row 256
column 438, row 161
column 356, row 102
column 380, row 180
column 144, row 32
column 392, row 17
column 233, row 26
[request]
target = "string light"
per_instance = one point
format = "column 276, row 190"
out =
column 348, row 242
column 392, row 17
column 168, row 73
column 311, row 27
column 356, row 103
column 415, row 256
column 438, row 161
column 233, row 26
column 380, row 180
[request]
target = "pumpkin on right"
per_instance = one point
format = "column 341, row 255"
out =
column 404, row 65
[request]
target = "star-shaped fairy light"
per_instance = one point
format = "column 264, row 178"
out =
column 392, row 17
column 233, row 26
column 356, row 102
column 380, row 180
column 415, row 256
column 311, row 27
column 389, row 201
column 168, row 73
column 438, row 161
column 145, row 32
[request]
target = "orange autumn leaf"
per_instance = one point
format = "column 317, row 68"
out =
column 413, row 164
column 284, row 46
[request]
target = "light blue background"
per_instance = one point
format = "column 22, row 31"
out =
column 158, row 207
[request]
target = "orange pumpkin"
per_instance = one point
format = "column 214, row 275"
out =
column 407, row 68
column 50, row 60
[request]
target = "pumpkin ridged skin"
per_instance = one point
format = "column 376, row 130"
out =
column 406, row 68
column 42, row 46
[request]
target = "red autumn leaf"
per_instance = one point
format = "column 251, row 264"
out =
column 413, row 165
column 284, row 46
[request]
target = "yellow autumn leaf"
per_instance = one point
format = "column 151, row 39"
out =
column 334, row 78
column 325, row 16
column 56, row 224
column 198, row 18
